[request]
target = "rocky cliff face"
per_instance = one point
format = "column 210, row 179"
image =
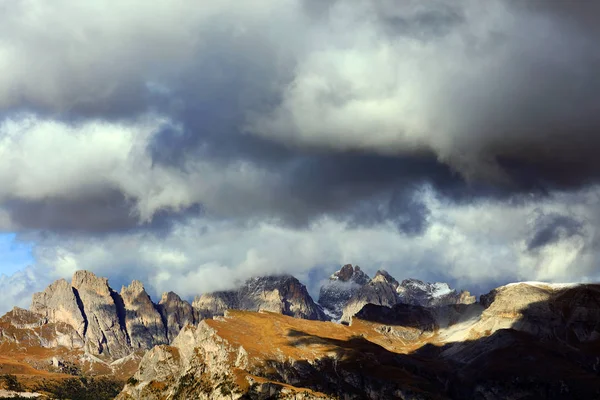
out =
column 342, row 286
column 58, row 303
column 381, row 290
column 25, row 329
column 111, row 324
column 114, row 325
column 280, row 294
column 144, row 324
column 213, row 304
column 558, row 312
column 523, row 341
column 403, row 340
column 384, row 290
column 104, row 313
column 176, row 313
column 419, row 293
column 268, row 356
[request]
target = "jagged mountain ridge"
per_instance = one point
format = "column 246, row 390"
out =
column 425, row 294
column 116, row 324
column 340, row 288
column 86, row 326
column 385, row 290
column 522, row 341
column 266, row 355
column 111, row 324
column 282, row 294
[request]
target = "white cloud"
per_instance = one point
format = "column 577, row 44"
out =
column 43, row 158
column 17, row 288
column 64, row 56
column 463, row 80
column 462, row 245
column 467, row 82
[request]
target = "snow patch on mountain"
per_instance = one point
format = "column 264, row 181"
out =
column 555, row 286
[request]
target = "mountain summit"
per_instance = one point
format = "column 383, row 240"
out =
column 524, row 341
column 385, row 290
column 411, row 339
column 281, row 294
column 109, row 323
column 340, row 288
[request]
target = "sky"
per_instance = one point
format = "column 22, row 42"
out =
column 16, row 254
column 193, row 145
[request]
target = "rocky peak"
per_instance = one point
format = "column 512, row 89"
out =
column 87, row 280
column 144, row 324
column 134, row 287
column 282, row 294
column 417, row 292
column 109, row 323
column 58, row 303
column 169, row 297
column 381, row 290
column 350, row 274
column 214, row 304
column 342, row 285
column 465, row 297
column 176, row 314
column 418, row 284
column 383, row 276
column 384, row 290
column 105, row 315
column 345, row 273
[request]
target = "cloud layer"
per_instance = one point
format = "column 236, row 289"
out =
column 181, row 141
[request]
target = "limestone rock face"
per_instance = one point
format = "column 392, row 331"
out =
column 281, row 294
column 110, row 324
column 210, row 361
column 28, row 329
column 381, row 290
column 213, row 304
column 115, row 324
column 342, row 286
column 176, row 313
column 384, row 290
column 106, row 331
column 144, row 323
column 178, row 365
column 419, row 293
column 59, row 303
column 348, row 273
column 544, row 310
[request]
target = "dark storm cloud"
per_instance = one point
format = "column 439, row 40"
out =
column 100, row 213
column 478, row 101
column 551, row 228
column 179, row 142
column 424, row 22
column 106, row 210
column 511, row 91
column 363, row 189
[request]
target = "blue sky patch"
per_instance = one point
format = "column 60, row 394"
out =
column 14, row 254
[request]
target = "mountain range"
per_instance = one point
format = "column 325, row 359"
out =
column 365, row 338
